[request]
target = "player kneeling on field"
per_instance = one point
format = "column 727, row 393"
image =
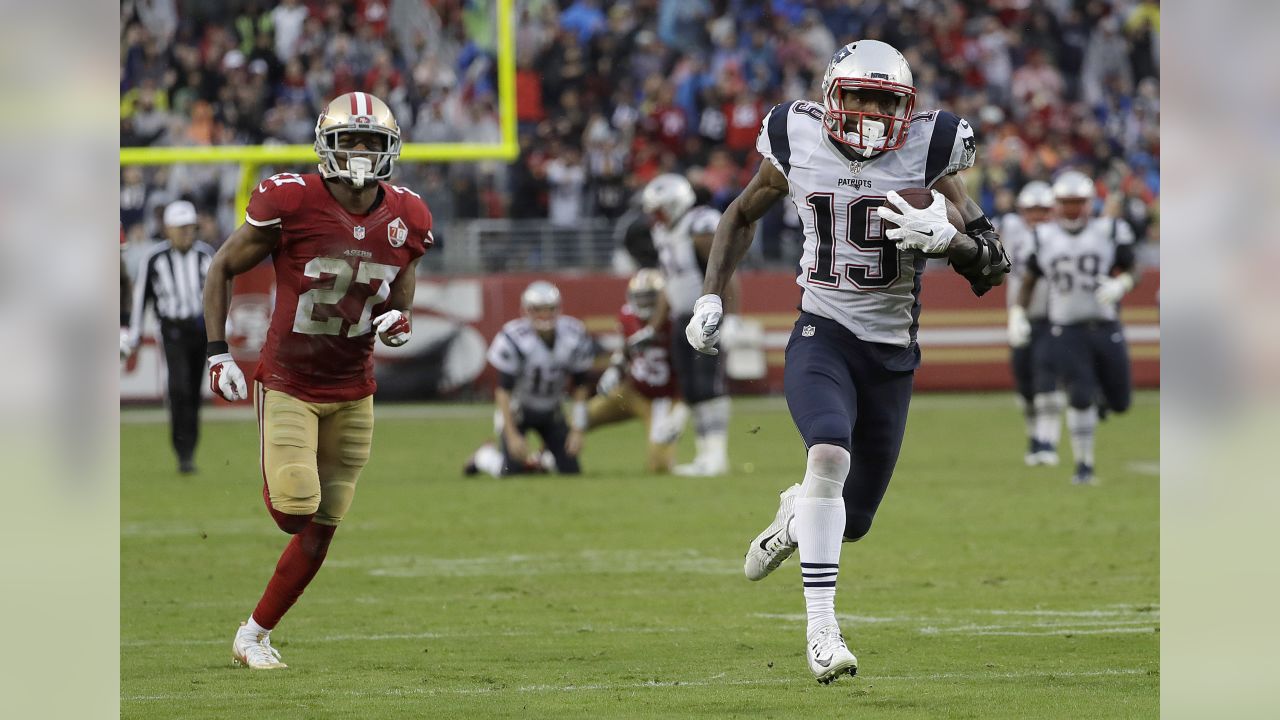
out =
column 536, row 356
column 640, row 382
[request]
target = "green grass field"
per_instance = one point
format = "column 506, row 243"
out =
column 985, row 590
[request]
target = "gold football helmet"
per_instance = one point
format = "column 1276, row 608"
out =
column 357, row 112
column 642, row 292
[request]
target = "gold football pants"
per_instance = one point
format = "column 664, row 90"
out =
column 625, row 403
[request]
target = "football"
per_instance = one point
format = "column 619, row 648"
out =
column 921, row 198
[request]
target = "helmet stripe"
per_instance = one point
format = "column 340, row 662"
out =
column 362, row 102
column 354, row 111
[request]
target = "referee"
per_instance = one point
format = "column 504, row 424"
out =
column 170, row 278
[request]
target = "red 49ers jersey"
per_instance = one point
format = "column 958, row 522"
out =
column 333, row 274
column 649, row 368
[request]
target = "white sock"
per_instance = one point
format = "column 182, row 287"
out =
column 1059, row 405
column 1082, row 424
column 1028, row 416
column 253, row 627
column 489, row 459
column 1048, row 419
column 819, row 530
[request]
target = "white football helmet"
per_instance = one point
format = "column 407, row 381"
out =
column 642, row 292
column 541, row 304
column 667, row 198
column 868, row 65
column 1075, row 193
column 357, row 112
column 1036, row 194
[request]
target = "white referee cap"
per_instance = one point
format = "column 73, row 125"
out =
column 179, row 213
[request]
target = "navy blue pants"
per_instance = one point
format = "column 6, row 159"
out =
column 554, row 432
column 700, row 376
column 1094, row 360
column 1034, row 367
column 852, row 393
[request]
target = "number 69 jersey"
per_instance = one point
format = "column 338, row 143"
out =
column 333, row 274
column 849, row 271
column 1072, row 263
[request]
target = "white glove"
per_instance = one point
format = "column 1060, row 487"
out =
column 609, row 380
column 225, row 378
column 1111, row 289
column 1019, row 327
column 703, row 330
column 927, row 230
column 126, row 345
column 393, row 328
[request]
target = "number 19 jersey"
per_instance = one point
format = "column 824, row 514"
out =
column 849, row 271
column 334, row 271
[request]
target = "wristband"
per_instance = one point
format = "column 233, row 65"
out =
column 216, row 347
column 579, row 415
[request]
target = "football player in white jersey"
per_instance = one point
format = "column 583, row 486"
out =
column 682, row 234
column 1087, row 262
column 853, row 352
column 1034, row 370
column 537, row 357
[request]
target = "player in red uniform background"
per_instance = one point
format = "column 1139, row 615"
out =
column 641, row 382
column 345, row 245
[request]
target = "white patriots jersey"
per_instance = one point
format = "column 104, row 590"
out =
column 1019, row 243
column 1072, row 264
column 541, row 371
column 850, row 273
column 681, row 271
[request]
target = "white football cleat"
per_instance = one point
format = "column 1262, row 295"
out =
column 254, row 651
column 773, row 545
column 829, row 656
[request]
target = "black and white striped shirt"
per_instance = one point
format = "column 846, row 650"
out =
column 172, row 282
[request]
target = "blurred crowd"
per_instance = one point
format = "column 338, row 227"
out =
column 610, row 94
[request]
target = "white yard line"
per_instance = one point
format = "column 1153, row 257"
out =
column 430, row 635
column 717, row 681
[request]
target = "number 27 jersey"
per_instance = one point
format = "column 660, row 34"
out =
column 849, row 271
column 334, row 271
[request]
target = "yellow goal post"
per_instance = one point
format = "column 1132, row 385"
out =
column 252, row 157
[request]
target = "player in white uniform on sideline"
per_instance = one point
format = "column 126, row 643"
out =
column 1035, row 373
column 537, row 356
column 853, row 353
column 1088, row 265
column 682, row 233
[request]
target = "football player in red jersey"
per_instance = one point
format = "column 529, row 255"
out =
column 345, row 245
column 641, row 382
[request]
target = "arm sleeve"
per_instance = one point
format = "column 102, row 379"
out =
column 704, row 221
column 952, row 148
column 141, row 295
column 584, row 355
column 1033, row 256
column 773, row 141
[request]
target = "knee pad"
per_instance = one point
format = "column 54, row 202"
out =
column 829, row 428
column 296, row 489
column 856, row 525
column 825, row 472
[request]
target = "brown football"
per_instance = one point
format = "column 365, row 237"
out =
column 921, row 198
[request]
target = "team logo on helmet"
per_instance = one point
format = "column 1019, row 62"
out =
column 358, row 232
column 397, row 232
